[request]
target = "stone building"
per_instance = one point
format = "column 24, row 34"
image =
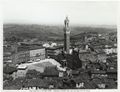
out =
column 37, row 53
column 21, row 57
column 66, row 35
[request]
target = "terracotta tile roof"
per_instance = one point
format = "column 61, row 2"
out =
column 35, row 83
column 112, row 76
column 51, row 71
column 112, row 71
column 27, row 48
column 97, row 72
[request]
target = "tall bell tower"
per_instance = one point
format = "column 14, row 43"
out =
column 66, row 35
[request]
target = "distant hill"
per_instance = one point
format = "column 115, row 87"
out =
column 99, row 29
column 44, row 32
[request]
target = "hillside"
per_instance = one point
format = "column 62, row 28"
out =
column 44, row 32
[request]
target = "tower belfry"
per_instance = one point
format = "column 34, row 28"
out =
column 66, row 35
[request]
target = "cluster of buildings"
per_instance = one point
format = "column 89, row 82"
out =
column 37, row 68
column 23, row 54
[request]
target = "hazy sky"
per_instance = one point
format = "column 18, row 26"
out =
column 54, row 12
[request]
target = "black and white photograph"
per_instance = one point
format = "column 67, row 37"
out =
column 59, row 45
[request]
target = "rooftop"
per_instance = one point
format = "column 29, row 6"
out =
column 27, row 48
column 23, row 67
column 54, row 48
column 35, row 83
column 98, row 72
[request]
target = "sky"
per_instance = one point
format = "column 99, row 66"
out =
column 54, row 12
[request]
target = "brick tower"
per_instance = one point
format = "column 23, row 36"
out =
column 66, row 35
